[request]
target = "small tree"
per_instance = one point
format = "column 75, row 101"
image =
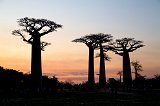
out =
column 122, row 47
column 90, row 42
column 137, row 68
column 120, row 76
column 36, row 28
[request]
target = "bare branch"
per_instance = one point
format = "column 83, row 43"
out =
column 52, row 26
column 39, row 27
column 135, row 45
column 137, row 66
column 106, row 57
column 107, row 48
column 119, row 53
column 81, row 40
column 102, row 38
column 89, row 40
column 125, row 44
column 19, row 33
column 44, row 44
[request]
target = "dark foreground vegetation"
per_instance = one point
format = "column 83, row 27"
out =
column 84, row 99
column 16, row 90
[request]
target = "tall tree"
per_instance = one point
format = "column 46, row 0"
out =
column 137, row 68
column 103, row 73
column 122, row 47
column 36, row 28
column 90, row 42
column 101, row 40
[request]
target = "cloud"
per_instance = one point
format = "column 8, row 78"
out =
column 67, row 74
column 76, row 77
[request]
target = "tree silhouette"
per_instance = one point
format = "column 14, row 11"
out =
column 102, row 76
column 36, row 28
column 122, row 47
column 90, row 42
column 137, row 68
column 106, row 57
column 120, row 76
column 103, row 39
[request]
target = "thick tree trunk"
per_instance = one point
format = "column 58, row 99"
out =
column 91, row 80
column 102, row 75
column 127, row 77
column 36, row 68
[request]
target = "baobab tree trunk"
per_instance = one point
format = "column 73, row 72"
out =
column 36, row 68
column 91, row 80
column 127, row 77
column 102, row 75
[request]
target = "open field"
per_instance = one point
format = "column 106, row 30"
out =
column 84, row 99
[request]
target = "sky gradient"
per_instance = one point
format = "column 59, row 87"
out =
column 139, row 19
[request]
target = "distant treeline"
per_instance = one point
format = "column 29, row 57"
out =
column 15, row 81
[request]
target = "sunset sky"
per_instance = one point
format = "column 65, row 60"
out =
column 66, row 60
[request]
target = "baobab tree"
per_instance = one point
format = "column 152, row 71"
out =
column 90, row 42
column 122, row 47
column 101, row 40
column 102, row 76
column 137, row 68
column 35, row 28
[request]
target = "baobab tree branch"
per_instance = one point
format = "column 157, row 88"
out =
column 80, row 40
column 108, row 47
column 27, row 29
column 30, row 41
column 135, row 43
column 126, row 44
column 114, row 48
column 36, row 25
column 106, row 57
column 44, row 44
column 46, row 32
column 26, row 22
column 52, row 27
column 88, row 41
column 18, row 33
column 41, row 27
column 115, row 45
column 119, row 53
column 132, row 48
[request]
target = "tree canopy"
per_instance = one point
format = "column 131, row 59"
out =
column 35, row 28
column 126, row 44
column 89, row 40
